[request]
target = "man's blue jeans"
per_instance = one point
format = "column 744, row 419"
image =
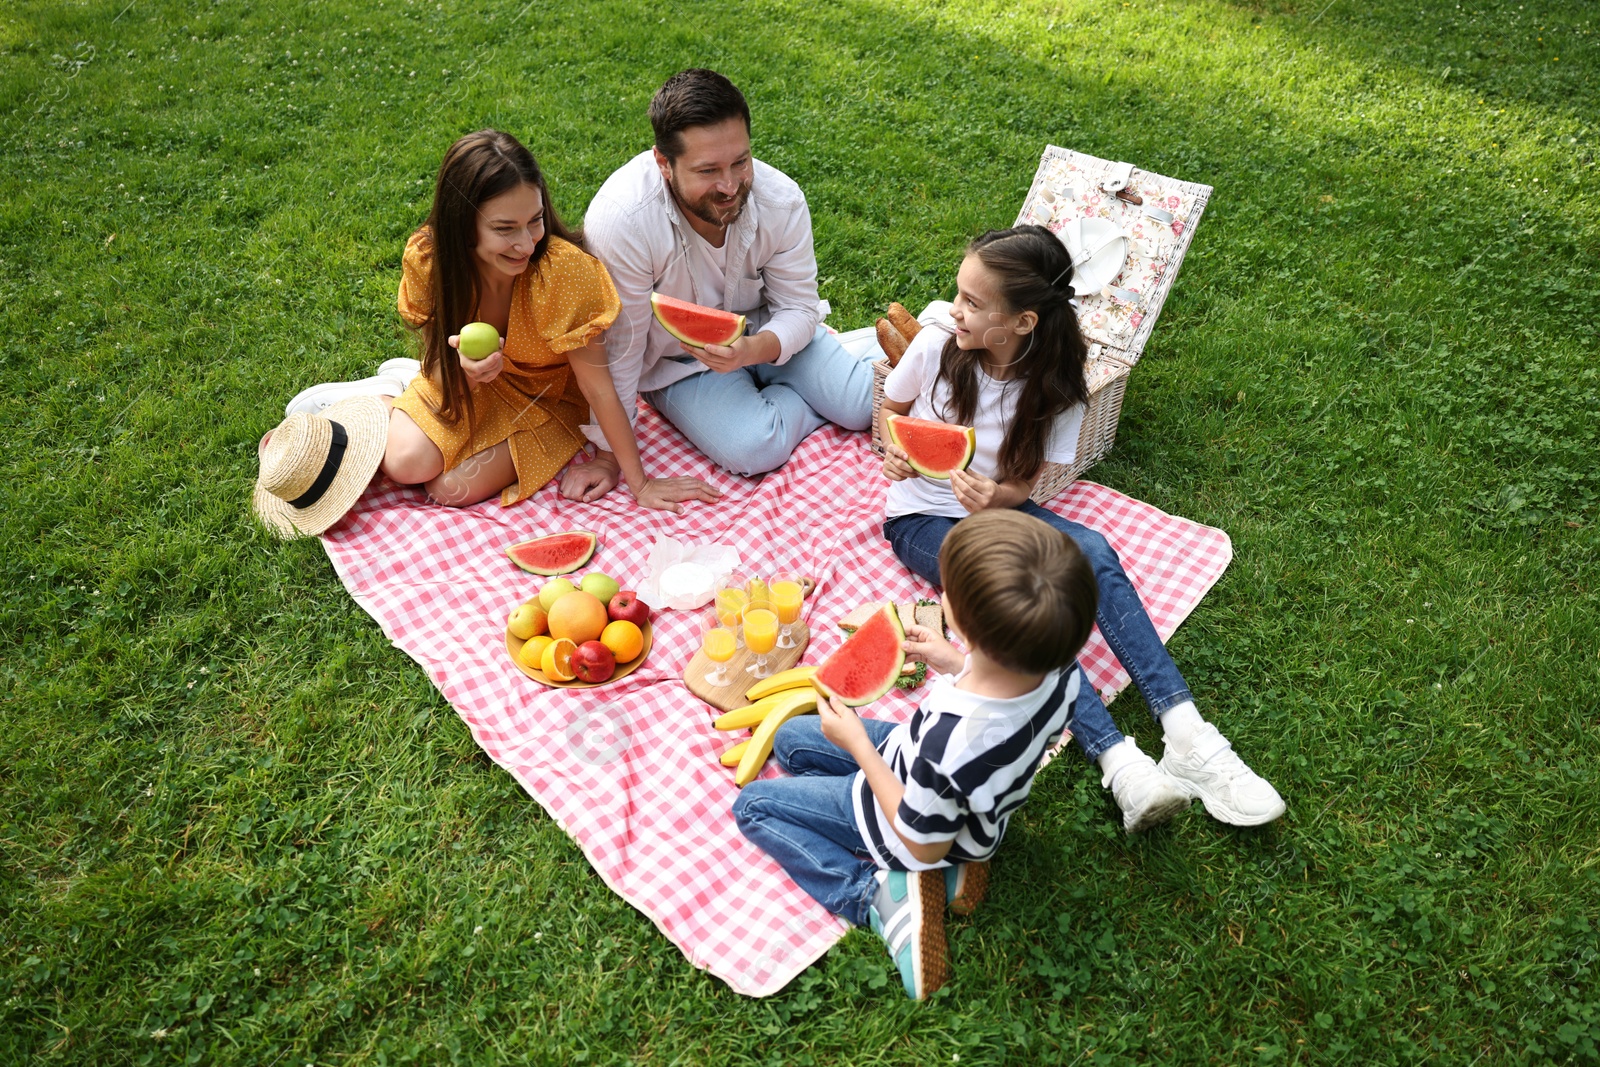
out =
column 1123, row 622
column 750, row 421
column 808, row 823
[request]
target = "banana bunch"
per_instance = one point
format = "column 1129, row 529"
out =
column 776, row 700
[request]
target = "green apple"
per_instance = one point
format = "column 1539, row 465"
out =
column 554, row 591
column 603, row 586
column 478, row 340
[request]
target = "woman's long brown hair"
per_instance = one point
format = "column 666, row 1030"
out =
column 476, row 169
column 1033, row 272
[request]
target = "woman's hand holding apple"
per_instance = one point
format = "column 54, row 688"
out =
column 479, row 371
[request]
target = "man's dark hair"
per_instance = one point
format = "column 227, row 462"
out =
column 694, row 97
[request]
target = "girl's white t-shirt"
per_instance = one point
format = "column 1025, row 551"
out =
column 913, row 380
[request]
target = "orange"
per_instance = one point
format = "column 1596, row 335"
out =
column 624, row 639
column 557, row 660
column 532, row 654
column 578, row 617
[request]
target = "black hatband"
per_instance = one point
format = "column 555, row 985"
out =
column 330, row 467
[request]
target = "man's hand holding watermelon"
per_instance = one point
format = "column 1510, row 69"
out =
column 747, row 351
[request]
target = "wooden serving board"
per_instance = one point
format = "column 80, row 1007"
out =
column 728, row 697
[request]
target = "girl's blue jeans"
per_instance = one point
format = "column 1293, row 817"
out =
column 1124, row 623
column 808, row 822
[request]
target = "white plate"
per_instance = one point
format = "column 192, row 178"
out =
column 1099, row 248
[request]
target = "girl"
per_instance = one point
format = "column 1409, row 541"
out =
column 493, row 250
column 1013, row 369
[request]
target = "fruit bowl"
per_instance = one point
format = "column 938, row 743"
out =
column 514, row 645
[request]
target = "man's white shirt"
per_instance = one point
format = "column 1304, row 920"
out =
column 769, row 271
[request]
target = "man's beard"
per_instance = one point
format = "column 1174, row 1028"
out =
column 707, row 211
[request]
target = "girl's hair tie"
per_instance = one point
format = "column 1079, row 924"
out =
column 1056, row 281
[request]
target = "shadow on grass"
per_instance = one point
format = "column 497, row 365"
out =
column 1537, row 56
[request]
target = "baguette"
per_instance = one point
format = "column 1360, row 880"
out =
column 891, row 341
column 904, row 321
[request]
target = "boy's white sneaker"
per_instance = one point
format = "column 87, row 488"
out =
column 1146, row 796
column 1213, row 774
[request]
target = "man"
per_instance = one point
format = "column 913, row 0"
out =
column 698, row 218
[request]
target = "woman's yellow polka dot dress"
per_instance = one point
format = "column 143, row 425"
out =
column 559, row 304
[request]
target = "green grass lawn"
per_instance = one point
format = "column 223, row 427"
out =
column 236, row 826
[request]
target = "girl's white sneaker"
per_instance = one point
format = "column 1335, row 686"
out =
column 1212, row 774
column 1146, row 796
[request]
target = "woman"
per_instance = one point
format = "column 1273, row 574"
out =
column 493, row 250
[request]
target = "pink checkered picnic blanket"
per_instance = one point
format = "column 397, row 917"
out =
column 631, row 770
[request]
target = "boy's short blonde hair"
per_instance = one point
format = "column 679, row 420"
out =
column 1019, row 590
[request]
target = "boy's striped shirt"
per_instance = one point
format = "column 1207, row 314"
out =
column 967, row 762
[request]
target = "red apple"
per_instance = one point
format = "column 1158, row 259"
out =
column 627, row 605
column 593, row 662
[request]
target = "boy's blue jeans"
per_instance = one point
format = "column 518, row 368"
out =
column 751, row 420
column 808, row 823
column 1124, row 623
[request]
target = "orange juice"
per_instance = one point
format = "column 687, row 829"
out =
column 730, row 602
column 760, row 630
column 786, row 600
column 718, row 645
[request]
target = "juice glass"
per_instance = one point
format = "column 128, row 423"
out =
column 787, row 593
column 730, row 599
column 716, row 641
column 760, row 636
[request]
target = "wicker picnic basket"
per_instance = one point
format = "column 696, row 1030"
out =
column 1069, row 185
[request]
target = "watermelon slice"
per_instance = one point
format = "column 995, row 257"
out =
column 867, row 665
column 694, row 325
column 933, row 449
column 560, row 553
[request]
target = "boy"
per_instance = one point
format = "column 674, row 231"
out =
column 885, row 824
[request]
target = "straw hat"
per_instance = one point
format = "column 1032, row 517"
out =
column 316, row 466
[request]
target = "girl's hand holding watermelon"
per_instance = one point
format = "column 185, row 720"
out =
column 895, row 467
column 976, row 492
column 973, row 491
